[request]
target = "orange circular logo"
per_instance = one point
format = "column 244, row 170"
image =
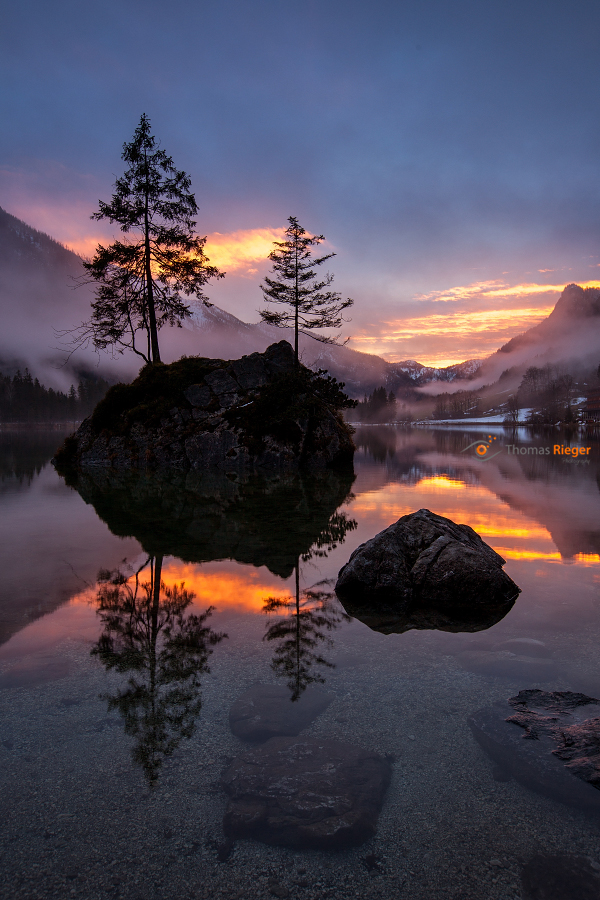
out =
column 481, row 449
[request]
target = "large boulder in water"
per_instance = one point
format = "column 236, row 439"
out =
column 254, row 414
column 304, row 793
column 425, row 571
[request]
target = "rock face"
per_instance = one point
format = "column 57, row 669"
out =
column 551, row 737
column 426, row 572
column 305, row 793
column 256, row 413
column 266, row 711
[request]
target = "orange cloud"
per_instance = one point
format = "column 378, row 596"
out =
column 237, row 251
column 497, row 289
column 470, row 334
column 242, row 250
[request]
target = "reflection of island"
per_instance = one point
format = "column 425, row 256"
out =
column 268, row 521
column 301, row 634
column 149, row 636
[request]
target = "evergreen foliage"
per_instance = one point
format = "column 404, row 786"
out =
column 310, row 305
column 142, row 279
column 377, row 406
column 24, row 399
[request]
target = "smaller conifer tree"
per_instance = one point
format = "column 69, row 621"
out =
column 310, row 304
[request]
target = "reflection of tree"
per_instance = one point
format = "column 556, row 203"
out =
column 308, row 617
column 148, row 635
column 302, row 633
column 329, row 537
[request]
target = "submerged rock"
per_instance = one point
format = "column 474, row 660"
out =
column 551, row 743
column 305, row 793
column 560, row 877
column 266, row 711
column 425, row 571
column 260, row 412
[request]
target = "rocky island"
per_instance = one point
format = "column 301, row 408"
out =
column 254, row 414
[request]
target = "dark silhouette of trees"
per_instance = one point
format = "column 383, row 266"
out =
column 377, row 406
column 548, row 394
column 148, row 635
column 296, row 286
column 142, row 278
column 24, row 399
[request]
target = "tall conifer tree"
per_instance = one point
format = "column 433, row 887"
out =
column 142, row 279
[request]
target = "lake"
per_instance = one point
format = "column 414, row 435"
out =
column 115, row 692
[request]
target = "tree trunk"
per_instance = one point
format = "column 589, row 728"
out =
column 298, row 654
column 297, row 301
column 155, row 587
column 149, row 283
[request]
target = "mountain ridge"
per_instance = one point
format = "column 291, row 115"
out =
column 38, row 299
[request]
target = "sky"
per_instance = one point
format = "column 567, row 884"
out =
column 449, row 152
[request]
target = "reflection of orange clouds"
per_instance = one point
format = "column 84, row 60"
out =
column 510, row 553
column 508, row 531
column 244, row 590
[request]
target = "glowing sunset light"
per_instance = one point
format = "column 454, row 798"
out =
column 472, row 334
column 471, row 504
column 492, row 289
column 512, row 553
column 244, row 590
column 242, row 249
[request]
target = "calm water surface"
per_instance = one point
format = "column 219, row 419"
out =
column 115, row 696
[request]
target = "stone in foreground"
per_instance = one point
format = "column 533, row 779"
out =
column 550, row 743
column 302, row 793
column 254, row 414
column 266, row 711
column 427, row 571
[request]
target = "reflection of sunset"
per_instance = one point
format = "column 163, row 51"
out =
column 511, row 533
column 243, row 590
column 510, row 553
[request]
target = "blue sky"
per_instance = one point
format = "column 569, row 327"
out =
column 437, row 145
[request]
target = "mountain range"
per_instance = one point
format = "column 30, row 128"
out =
column 42, row 296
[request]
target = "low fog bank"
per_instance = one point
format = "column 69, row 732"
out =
column 568, row 339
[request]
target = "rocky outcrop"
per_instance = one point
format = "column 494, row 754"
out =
column 305, row 793
column 266, row 710
column 257, row 413
column 426, row 572
column 550, row 737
